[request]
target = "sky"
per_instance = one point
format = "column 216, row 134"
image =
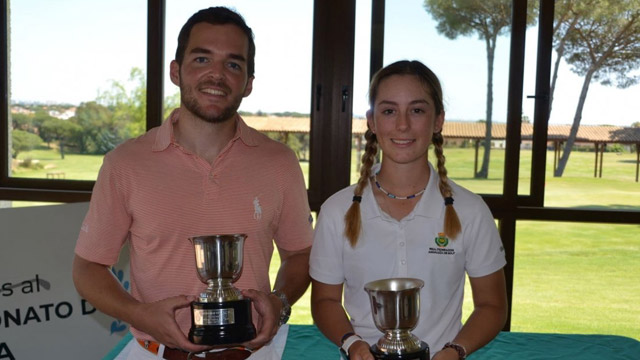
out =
column 61, row 53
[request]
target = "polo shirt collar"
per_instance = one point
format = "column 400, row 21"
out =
column 249, row 136
column 165, row 137
column 430, row 205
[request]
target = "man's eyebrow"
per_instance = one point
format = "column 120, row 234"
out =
column 201, row 50
column 238, row 57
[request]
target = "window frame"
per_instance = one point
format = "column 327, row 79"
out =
column 330, row 136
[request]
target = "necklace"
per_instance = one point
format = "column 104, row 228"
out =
column 375, row 179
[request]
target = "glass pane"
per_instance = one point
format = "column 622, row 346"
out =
column 73, row 82
column 603, row 154
column 576, row 278
column 280, row 102
column 461, row 64
column 528, row 105
column 301, row 310
column 360, row 84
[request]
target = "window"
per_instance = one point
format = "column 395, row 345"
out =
column 279, row 104
column 77, row 85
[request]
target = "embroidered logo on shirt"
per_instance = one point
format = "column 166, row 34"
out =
column 441, row 241
column 257, row 209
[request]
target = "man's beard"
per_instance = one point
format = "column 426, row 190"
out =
column 191, row 103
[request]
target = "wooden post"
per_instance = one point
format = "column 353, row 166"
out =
column 556, row 150
column 637, row 160
column 602, row 148
column 595, row 166
column 358, row 151
column 475, row 162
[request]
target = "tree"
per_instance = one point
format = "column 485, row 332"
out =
column 488, row 19
column 567, row 14
column 39, row 118
column 93, row 118
column 60, row 130
column 128, row 102
column 23, row 141
column 21, row 121
column 604, row 46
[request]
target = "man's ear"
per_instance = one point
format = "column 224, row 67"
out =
column 174, row 72
column 249, row 87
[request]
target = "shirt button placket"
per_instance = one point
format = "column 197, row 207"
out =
column 211, row 185
column 402, row 250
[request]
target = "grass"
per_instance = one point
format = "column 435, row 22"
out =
column 568, row 277
column 75, row 166
column 577, row 278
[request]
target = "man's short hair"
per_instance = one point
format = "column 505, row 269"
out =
column 218, row 15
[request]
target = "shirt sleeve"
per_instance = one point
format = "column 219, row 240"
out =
column 485, row 253
column 106, row 226
column 325, row 263
column 294, row 231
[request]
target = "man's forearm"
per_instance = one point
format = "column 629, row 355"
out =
column 96, row 284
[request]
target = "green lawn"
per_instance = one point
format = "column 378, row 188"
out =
column 74, row 166
column 569, row 277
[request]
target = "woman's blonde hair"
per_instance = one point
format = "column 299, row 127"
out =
column 353, row 220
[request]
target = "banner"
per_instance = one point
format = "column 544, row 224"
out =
column 41, row 314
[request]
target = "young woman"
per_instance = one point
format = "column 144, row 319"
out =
column 399, row 220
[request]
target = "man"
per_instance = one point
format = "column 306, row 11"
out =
column 204, row 171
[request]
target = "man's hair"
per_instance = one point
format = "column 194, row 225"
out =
column 218, row 15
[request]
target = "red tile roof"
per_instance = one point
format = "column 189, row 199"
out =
column 464, row 129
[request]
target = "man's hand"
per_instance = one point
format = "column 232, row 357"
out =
column 158, row 320
column 268, row 308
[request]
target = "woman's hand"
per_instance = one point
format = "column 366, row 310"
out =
column 359, row 350
column 446, row 354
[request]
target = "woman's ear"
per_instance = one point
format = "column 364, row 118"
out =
column 439, row 123
column 370, row 122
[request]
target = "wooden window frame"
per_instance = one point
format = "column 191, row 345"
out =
column 332, row 75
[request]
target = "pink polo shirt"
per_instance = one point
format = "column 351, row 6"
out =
column 154, row 194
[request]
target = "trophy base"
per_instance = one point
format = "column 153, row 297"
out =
column 422, row 354
column 221, row 323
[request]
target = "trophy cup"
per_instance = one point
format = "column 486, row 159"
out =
column 221, row 315
column 395, row 306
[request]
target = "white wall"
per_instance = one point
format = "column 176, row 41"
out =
column 41, row 314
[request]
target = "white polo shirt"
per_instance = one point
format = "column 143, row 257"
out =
column 412, row 248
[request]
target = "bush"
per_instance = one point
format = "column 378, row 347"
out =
column 29, row 163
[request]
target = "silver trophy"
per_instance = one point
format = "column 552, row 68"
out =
column 221, row 315
column 395, row 306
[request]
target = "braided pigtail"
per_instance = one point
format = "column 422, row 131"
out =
column 452, row 225
column 352, row 219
